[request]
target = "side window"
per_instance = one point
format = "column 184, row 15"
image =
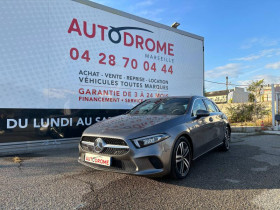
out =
column 211, row 107
column 198, row 104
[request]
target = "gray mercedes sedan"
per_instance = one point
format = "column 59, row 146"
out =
column 157, row 137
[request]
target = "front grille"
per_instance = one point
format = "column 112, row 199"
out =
column 115, row 141
column 107, row 140
column 114, row 151
column 107, row 150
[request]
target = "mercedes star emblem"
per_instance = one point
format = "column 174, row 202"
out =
column 98, row 145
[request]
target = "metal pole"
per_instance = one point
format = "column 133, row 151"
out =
column 227, row 82
column 273, row 105
column 277, row 109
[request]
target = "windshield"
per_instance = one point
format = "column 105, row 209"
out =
column 165, row 106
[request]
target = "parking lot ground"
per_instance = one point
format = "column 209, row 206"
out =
column 246, row 177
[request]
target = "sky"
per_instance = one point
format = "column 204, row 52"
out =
column 241, row 37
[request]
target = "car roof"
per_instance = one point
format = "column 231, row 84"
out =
column 193, row 97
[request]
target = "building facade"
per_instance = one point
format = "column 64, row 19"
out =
column 265, row 93
column 236, row 95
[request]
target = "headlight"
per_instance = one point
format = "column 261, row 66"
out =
column 148, row 140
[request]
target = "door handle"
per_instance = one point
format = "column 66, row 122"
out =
column 211, row 119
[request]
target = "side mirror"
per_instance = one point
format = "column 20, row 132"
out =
column 202, row 113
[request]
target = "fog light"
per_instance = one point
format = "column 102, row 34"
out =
column 155, row 161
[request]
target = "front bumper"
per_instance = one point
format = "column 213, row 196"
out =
column 153, row 160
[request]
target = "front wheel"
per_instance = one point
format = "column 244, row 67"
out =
column 226, row 142
column 181, row 158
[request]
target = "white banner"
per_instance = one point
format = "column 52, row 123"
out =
column 67, row 55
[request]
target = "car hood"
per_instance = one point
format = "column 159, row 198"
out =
column 129, row 126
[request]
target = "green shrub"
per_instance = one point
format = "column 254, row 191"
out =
column 246, row 112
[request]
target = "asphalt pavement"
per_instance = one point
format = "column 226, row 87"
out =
column 246, row 177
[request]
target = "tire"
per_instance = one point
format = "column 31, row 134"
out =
column 181, row 158
column 226, row 142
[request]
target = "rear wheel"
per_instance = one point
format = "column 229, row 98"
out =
column 181, row 158
column 226, row 142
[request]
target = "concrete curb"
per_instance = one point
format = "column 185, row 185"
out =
column 256, row 133
column 245, row 134
column 36, row 146
column 272, row 132
column 246, row 129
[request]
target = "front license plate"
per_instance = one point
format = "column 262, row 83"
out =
column 97, row 159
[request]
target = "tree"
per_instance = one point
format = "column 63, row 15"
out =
column 255, row 88
column 249, row 111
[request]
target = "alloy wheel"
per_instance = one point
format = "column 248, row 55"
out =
column 183, row 158
column 227, row 138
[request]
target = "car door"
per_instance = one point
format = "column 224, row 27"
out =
column 221, row 124
column 216, row 121
column 200, row 129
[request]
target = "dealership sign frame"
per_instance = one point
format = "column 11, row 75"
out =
column 69, row 64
